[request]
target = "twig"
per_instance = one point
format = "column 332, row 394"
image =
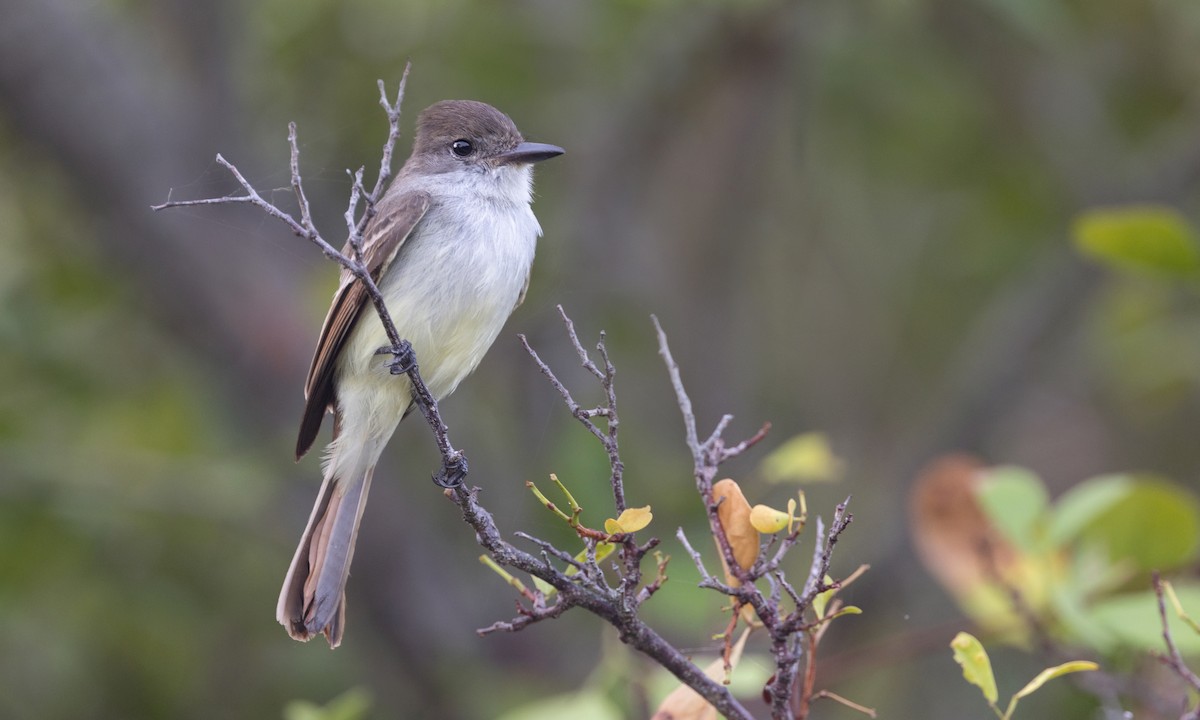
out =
column 608, row 437
column 1174, row 659
column 587, row 587
column 869, row 712
column 785, row 629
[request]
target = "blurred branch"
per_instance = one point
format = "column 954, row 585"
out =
column 1174, row 659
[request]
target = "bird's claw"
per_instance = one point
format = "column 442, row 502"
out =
column 403, row 358
column 452, row 473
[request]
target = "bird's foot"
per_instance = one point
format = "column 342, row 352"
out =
column 452, row 472
column 403, row 358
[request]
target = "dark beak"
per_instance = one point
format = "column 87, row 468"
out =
column 529, row 152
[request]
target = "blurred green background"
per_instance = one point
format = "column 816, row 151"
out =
column 850, row 216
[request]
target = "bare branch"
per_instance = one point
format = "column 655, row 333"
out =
column 548, row 548
column 685, row 403
column 581, row 415
column 748, row 443
column 356, row 193
column 1174, row 659
column 389, row 145
column 298, row 186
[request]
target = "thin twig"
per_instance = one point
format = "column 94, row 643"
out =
column 1174, row 659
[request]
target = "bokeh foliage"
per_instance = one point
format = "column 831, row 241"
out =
column 850, row 217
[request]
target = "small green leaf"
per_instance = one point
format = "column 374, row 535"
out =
column 821, row 599
column 546, row 589
column 508, row 577
column 1178, row 606
column 1133, row 620
column 1155, row 526
column 350, row 705
column 1082, row 504
column 1015, row 500
column 1148, row 238
column 1057, row 671
column 603, row 550
column 848, row 610
column 586, row 705
column 977, row 668
column 804, row 458
column 1078, row 623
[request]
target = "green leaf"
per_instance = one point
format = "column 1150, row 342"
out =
column 1155, row 526
column 508, row 577
column 546, row 589
column 1015, row 500
column 603, row 550
column 350, row 705
column 821, row 599
column 804, row 458
column 1057, row 671
column 586, row 705
column 848, row 610
column 1148, row 238
column 1043, row 677
column 1169, row 590
column 976, row 667
column 1082, row 504
column 1133, row 620
column 1078, row 624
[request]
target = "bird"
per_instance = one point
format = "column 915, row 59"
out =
column 450, row 247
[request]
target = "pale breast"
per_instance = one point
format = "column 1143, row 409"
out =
column 449, row 292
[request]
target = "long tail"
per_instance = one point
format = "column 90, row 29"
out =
column 313, row 599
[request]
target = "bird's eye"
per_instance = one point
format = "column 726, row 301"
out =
column 461, row 148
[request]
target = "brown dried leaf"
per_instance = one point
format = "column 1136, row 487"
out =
column 953, row 537
column 685, row 703
column 734, row 513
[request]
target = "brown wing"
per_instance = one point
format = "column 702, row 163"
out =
column 397, row 217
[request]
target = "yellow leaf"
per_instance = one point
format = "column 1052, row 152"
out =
column 630, row 520
column 804, row 458
column 1053, row 672
column 768, row 520
column 685, row 703
column 734, row 514
column 976, row 667
column 848, row 610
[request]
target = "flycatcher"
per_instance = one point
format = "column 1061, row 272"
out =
column 451, row 247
